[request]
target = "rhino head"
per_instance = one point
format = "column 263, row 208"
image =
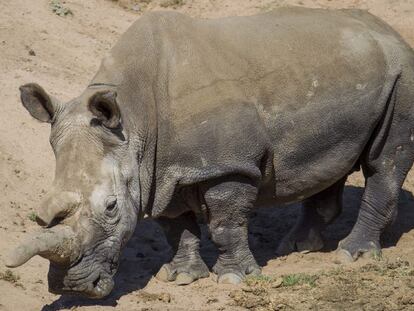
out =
column 92, row 208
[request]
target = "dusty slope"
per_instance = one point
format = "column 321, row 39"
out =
column 67, row 51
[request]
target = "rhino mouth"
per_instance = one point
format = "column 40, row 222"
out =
column 97, row 283
column 102, row 287
column 99, row 288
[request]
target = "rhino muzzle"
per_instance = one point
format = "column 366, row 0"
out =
column 61, row 247
column 97, row 285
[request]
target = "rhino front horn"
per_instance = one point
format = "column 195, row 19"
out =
column 58, row 244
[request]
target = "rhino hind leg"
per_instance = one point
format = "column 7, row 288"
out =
column 385, row 164
column 229, row 204
column 317, row 212
column 378, row 207
column 183, row 235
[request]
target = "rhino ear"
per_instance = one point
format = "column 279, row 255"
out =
column 39, row 104
column 104, row 106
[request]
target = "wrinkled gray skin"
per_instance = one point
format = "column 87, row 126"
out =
column 215, row 117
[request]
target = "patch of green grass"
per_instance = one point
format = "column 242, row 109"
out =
column 291, row 279
column 59, row 9
column 32, row 216
column 286, row 280
column 299, row 279
column 258, row 279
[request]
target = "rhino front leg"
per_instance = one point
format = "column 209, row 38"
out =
column 228, row 205
column 317, row 212
column 183, row 235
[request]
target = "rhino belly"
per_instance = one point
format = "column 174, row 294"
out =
column 315, row 147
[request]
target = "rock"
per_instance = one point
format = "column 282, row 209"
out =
column 277, row 283
column 247, row 289
column 165, row 297
column 136, row 8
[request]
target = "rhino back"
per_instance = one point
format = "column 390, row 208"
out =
column 314, row 78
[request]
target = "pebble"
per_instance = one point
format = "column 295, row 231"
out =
column 277, row 283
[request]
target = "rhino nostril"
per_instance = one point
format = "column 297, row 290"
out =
column 95, row 283
column 55, row 221
column 41, row 222
column 45, row 221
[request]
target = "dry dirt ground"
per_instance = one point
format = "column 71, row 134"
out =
column 61, row 51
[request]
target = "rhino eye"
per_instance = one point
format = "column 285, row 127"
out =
column 110, row 207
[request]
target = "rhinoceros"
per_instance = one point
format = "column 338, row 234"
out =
column 188, row 117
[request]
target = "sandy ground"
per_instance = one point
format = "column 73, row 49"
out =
column 62, row 54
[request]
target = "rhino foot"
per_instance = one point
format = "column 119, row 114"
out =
column 238, row 277
column 300, row 241
column 355, row 246
column 317, row 212
column 230, row 278
column 182, row 274
column 236, row 274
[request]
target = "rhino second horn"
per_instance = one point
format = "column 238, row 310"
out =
column 58, row 244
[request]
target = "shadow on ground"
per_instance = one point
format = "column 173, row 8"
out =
column 147, row 250
column 269, row 226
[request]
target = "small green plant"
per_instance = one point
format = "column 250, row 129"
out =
column 291, row 279
column 299, row 279
column 377, row 255
column 32, row 216
column 59, row 9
